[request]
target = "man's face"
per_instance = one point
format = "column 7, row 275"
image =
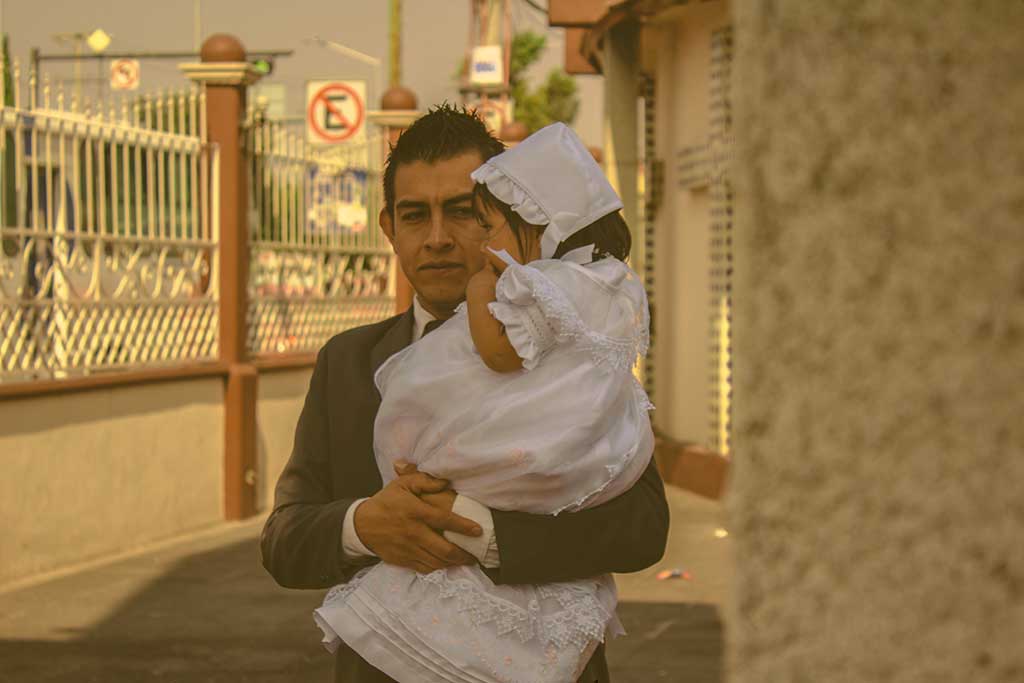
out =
column 434, row 230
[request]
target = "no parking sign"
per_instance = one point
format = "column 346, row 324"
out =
column 124, row 74
column 335, row 112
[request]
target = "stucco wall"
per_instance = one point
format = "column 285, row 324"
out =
column 279, row 402
column 877, row 501
column 92, row 473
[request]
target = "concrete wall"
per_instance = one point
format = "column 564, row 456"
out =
column 91, row 473
column 279, row 402
column 681, row 44
column 877, row 502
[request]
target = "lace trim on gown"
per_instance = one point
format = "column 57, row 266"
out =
column 581, row 620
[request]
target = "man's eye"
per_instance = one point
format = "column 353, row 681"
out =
column 463, row 212
column 412, row 216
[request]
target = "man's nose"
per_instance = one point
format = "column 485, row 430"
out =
column 439, row 236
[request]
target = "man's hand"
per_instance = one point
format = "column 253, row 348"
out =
column 442, row 500
column 402, row 529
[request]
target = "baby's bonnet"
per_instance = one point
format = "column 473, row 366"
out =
column 550, row 179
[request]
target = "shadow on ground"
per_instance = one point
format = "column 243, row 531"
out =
column 217, row 617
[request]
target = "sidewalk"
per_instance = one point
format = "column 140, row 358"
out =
column 204, row 610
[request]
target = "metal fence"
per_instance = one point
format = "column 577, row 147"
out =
column 319, row 265
column 109, row 233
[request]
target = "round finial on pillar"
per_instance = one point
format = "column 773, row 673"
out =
column 222, row 47
column 514, row 131
column 398, row 98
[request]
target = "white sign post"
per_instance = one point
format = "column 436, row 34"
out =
column 486, row 66
column 125, row 74
column 335, row 112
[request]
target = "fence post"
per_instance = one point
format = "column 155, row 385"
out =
column 398, row 111
column 225, row 73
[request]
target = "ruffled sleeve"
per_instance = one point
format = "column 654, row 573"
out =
column 538, row 314
column 517, row 308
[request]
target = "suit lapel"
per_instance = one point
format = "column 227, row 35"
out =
column 393, row 341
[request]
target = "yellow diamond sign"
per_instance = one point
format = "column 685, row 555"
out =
column 98, row 40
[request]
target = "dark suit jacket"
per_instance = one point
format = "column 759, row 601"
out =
column 332, row 464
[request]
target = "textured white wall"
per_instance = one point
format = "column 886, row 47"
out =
column 92, row 473
column 878, row 495
column 279, row 402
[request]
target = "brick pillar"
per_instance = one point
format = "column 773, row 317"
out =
column 398, row 111
column 225, row 74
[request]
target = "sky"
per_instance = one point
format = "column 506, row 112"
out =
column 435, row 36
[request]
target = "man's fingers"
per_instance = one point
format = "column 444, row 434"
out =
column 448, row 521
column 402, row 467
column 423, row 568
column 442, row 551
column 423, row 483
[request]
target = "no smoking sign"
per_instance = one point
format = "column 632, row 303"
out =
column 335, row 111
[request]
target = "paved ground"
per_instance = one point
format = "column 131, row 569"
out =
column 203, row 610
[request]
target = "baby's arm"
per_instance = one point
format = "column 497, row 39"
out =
column 488, row 334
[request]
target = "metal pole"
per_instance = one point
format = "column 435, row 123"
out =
column 396, row 43
column 196, row 24
column 78, row 66
column 35, row 70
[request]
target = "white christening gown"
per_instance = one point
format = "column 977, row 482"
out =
column 568, row 431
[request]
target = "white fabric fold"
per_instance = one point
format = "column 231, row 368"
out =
column 545, row 634
column 482, row 547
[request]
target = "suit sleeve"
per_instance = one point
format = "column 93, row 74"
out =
column 625, row 534
column 301, row 541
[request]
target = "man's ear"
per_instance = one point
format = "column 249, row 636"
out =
column 387, row 226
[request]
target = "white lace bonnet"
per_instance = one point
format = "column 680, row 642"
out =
column 550, row 179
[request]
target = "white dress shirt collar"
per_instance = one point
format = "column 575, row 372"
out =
column 420, row 317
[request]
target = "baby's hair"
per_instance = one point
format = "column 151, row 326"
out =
column 609, row 234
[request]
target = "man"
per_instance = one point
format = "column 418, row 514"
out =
column 331, row 515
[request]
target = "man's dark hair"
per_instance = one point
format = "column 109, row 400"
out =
column 443, row 132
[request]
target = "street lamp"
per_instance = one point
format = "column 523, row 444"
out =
column 98, row 41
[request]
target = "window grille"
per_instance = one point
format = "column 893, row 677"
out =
column 652, row 191
column 720, row 371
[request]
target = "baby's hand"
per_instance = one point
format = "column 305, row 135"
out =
column 495, row 262
column 482, row 285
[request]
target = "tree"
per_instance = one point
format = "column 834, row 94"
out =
column 554, row 100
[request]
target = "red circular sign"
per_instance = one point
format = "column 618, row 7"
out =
column 327, row 113
column 124, row 74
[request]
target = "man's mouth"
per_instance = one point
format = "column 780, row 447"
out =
column 441, row 267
